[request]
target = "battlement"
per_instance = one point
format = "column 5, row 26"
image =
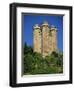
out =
column 53, row 27
column 45, row 24
column 36, row 26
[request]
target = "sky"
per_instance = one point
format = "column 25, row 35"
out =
column 29, row 20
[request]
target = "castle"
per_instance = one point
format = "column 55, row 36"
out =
column 45, row 39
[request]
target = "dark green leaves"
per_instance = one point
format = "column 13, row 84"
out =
column 34, row 63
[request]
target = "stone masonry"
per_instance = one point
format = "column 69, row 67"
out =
column 45, row 39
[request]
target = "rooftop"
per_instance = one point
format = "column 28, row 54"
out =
column 45, row 23
column 36, row 26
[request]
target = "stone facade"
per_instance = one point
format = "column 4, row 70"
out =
column 37, row 38
column 45, row 39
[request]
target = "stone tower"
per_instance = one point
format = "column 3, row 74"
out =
column 45, row 39
column 37, row 38
column 54, row 38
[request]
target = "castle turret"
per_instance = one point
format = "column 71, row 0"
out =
column 37, row 38
column 54, row 38
column 45, row 39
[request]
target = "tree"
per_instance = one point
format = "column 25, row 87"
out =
column 27, row 49
column 34, row 63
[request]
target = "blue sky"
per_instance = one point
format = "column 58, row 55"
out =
column 31, row 19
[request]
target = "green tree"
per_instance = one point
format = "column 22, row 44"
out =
column 34, row 63
column 27, row 49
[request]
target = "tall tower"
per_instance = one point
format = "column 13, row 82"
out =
column 45, row 39
column 53, row 38
column 37, row 38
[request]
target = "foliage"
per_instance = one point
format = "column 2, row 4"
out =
column 34, row 63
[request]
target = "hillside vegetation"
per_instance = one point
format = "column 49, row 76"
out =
column 34, row 63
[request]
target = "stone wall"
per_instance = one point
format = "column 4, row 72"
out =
column 37, row 39
column 45, row 39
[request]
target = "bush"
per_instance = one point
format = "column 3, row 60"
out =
column 34, row 63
